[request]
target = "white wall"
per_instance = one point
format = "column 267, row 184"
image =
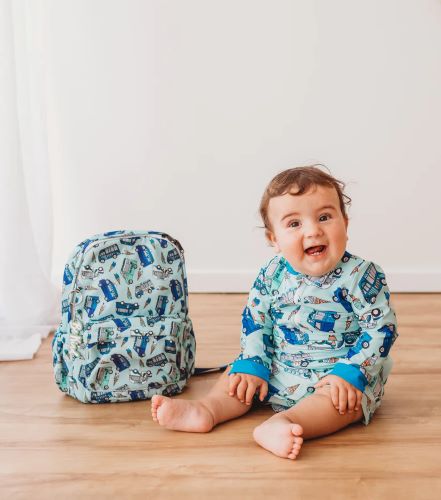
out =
column 174, row 115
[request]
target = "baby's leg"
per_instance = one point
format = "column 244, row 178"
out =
column 314, row 416
column 199, row 415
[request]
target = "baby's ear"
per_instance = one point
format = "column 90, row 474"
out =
column 272, row 240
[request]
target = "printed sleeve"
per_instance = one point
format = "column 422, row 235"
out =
column 256, row 340
column 370, row 300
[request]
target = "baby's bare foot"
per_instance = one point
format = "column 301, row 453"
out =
column 181, row 414
column 280, row 436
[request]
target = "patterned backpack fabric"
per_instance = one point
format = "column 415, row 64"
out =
column 125, row 332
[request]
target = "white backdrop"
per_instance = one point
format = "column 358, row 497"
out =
column 174, row 115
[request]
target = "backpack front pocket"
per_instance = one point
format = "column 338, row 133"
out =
column 125, row 359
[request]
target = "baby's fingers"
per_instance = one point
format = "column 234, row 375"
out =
column 334, row 396
column 352, row 399
column 250, row 393
column 241, row 390
column 234, row 382
column 358, row 403
column 263, row 391
column 342, row 400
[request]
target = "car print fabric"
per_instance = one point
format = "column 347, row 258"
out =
column 125, row 332
column 297, row 328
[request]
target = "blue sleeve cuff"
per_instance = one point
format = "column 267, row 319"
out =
column 351, row 374
column 251, row 368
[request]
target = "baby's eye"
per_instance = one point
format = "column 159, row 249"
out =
column 324, row 217
column 294, row 223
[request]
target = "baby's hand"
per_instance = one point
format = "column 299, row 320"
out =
column 244, row 387
column 343, row 394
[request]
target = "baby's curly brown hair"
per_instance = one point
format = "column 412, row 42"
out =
column 302, row 179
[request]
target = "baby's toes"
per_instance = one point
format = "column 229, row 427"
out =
column 297, row 442
column 295, row 450
column 297, row 431
column 293, row 455
column 156, row 402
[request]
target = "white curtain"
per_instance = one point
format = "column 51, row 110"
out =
column 28, row 299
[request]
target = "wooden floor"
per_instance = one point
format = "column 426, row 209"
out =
column 52, row 446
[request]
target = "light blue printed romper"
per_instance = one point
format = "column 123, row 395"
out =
column 298, row 328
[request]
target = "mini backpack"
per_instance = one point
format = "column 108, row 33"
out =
column 125, row 332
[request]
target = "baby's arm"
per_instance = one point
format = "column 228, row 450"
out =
column 244, row 386
column 252, row 369
column 369, row 297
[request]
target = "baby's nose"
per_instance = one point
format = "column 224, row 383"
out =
column 312, row 229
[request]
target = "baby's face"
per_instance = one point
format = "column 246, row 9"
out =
column 309, row 229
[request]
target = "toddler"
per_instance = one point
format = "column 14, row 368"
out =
column 316, row 330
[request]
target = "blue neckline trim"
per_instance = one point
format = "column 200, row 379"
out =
column 290, row 268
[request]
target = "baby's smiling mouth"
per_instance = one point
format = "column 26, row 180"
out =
column 317, row 250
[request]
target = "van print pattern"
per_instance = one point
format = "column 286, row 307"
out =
column 297, row 328
column 125, row 332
